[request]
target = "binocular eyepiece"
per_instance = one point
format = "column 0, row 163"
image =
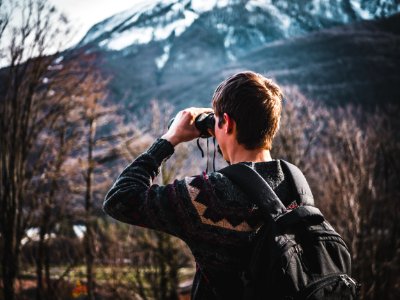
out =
column 203, row 123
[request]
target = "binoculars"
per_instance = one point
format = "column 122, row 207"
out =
column 203, row 122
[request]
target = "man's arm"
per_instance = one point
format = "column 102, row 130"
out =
column 135, row 200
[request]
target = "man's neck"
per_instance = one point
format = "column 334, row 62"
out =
column 241, row 154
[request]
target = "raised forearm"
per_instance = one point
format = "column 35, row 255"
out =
column 125, row 198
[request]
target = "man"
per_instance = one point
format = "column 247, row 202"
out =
column 213, row 216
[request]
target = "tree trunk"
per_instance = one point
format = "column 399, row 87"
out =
column 39, row 265
column 88, row 208
column 10, row 237
column 43, row 282
column 9, row 268
column 47, row 271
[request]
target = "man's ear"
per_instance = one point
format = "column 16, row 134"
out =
column 230, row 123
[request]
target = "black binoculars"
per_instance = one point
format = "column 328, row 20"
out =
column 203, row 122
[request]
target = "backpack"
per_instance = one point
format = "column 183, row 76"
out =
column 296, row 252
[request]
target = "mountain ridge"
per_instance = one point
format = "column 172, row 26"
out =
column 314, row 61
column 305, row 16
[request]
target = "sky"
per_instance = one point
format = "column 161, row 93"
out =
column 83, row 14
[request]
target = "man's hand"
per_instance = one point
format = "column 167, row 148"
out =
column 183, row 128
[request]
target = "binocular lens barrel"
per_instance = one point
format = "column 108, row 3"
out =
column 203, row 122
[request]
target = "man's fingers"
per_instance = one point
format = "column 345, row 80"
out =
column 199, row 110
column 206, row 109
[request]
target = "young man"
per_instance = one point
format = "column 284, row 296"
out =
column 213, row 216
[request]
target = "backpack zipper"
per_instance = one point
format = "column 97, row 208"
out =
column 348, row 280
column 321, row 283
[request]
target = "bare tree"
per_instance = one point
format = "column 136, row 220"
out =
column 49, row 208
column 25, row 113
column 92, row 112
column 40, row 94
column 349, row 156
column 102, row 131
column 361, row 169
column 75, row 84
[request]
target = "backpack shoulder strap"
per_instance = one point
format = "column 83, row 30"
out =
column 300, row 183
column 256, row 187
column 259, row 190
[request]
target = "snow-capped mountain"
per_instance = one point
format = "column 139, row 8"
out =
column 160, row 44
column 239, row 22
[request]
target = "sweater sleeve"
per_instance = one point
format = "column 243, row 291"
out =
column 133, row 198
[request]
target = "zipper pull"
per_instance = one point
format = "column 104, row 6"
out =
column 347, row 280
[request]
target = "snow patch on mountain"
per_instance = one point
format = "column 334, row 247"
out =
column 143, row 24
column 363, row 13
column 133, row 36
column 202, row 6
column 145, row 34
column 111, row 23
column 228, row 41
column 281, row 18
column 162, row 60
column 147, row 22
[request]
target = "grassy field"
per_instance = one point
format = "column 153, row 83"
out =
column 124, row 274
column 108, row 279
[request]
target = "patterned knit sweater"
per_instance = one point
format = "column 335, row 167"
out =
column 214, row 217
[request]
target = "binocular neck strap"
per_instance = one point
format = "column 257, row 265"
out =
column 202, row 152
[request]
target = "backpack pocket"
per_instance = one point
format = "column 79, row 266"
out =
column 315, row 264
column 331, row 287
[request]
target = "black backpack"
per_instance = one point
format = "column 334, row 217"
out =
column 297, row 254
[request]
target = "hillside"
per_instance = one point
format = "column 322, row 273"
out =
column 359, row 63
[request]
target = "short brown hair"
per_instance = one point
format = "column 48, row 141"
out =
column 255, row 103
